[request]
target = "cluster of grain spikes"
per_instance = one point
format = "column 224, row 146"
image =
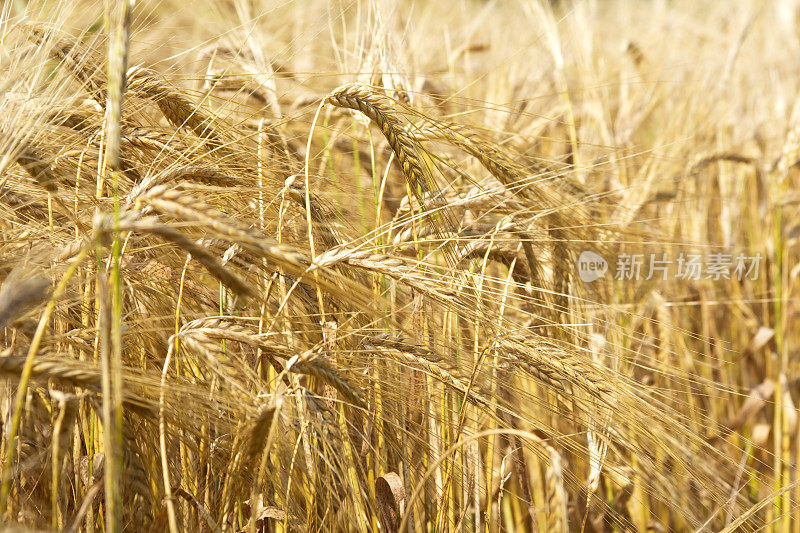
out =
column 194, row 340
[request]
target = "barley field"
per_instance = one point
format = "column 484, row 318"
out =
column 373, row 265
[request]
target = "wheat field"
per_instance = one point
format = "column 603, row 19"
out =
column 372, row 265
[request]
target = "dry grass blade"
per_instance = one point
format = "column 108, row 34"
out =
column 390, row 494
